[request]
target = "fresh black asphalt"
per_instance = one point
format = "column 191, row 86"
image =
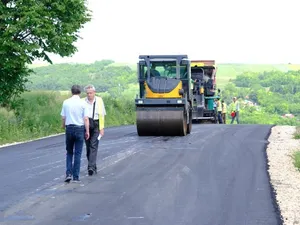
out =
column 217, row 175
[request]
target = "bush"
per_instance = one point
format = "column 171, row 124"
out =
column 39, row 115
column 296, row 158
column 297, row 133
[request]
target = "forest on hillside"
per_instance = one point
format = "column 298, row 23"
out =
column 276, row 91
column 265, row 95
column 115, row 78
column 104, row 75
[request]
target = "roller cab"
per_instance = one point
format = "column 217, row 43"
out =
column 163, row 105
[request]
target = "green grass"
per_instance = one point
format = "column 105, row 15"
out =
column 37, row 118
column 296, row 158
column 40, row 116
column 230, row 71
column 297, row 133
column 296, row 155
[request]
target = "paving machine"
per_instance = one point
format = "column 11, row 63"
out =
column 203, row 74
column 164, row 103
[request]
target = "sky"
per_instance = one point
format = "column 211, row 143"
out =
column 228, row 31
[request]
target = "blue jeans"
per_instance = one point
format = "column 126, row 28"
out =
column 74, row 141
column 237, row 115
column 220, row 117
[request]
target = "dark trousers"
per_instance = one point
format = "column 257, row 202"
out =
column 74, row 144
column 220, row 117
column 224, row 117
column 92, row 148
column 236, row 117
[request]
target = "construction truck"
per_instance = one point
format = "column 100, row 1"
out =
column 164, row 102
column 203, row 75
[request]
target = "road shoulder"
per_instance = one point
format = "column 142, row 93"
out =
column 284, row 177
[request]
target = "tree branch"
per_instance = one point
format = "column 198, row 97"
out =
column 5, row 2
column 22, row 36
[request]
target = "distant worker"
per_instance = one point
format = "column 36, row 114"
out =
column 235, row 110
column 219, row 109
column 76, row 123
column 96, row 114
column 224, row 111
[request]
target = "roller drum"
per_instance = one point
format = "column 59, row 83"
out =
column 164, row 122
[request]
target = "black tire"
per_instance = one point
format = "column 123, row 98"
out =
column 185, row 125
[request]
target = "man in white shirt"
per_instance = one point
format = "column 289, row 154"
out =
column 96, row 114
column 76, row 123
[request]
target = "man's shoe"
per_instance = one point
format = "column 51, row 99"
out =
column 91, row 172
column 76, row 180
column 68, row 178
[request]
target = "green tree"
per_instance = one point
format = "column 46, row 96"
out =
column 30, row 30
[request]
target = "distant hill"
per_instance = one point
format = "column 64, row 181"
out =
column 230, row 71
column 227, row 71
column 107, row 74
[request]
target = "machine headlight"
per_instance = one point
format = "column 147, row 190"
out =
column 140, row 101
column 179, row 101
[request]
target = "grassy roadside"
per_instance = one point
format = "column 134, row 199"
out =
column 296, row 155
column 40, row 116
column 296, row 158
column 297, row 133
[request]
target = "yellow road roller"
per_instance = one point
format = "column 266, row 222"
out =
column 164, row 102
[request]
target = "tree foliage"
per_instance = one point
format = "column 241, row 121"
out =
column 104, row 75
column 274, row 92
column 30, row 30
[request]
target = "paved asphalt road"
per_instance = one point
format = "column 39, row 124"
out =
column 215, row 176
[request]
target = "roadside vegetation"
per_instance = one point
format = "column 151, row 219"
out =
column 296, row 158
column 266, row 93
column 107, row 74
column 271, row 97
column 38, row 115
column 26, row 36
column 297, row 133
column 296, row 155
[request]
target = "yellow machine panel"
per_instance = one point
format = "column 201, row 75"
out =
column 202, row 63
column 198, row 64
column 173, row 94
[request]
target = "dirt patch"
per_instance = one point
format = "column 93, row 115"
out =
column 284, row 176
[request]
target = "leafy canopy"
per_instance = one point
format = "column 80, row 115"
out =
column 30, row 30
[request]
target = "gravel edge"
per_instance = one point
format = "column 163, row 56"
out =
column 284, row 177
column 272, row 188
